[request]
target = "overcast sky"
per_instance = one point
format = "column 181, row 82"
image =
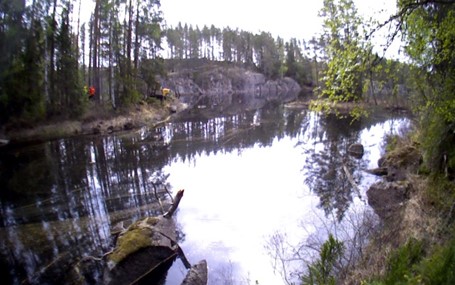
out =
column 285, row 18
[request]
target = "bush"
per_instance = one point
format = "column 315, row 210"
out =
column 439, row 268
column 401, row 262
column 322, row 271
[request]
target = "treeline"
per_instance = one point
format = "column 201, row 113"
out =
column 53, row 50
column 272, row 57
column 320, row 62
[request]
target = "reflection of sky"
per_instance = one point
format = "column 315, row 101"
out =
column 244, row 179
column 373, row 138
column 235, row 201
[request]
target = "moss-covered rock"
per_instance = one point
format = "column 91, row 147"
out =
column 144, row 251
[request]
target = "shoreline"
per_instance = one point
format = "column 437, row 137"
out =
column 95, row 123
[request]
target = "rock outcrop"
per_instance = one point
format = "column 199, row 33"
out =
column 229, row 88
column 388, row 196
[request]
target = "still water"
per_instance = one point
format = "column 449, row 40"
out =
column 256, row 185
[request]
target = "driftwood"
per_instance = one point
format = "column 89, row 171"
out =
column 175, row 204
column 142, row 253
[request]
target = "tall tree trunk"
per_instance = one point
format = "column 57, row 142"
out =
column 111, row 60
column 52, row 91
column 77, row 28
column 95, row 54
column 372, row 89
column 137, row 40
column 129, row 38
column 90, row 52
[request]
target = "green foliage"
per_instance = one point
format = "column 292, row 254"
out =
column 439, row 268
column 40, row 74
column 296, row 65
column 441, row 195
column 407, row 265
column 322, row 271
column 438, row 138
column 69, row 92
column 391, row 142
column 401, row 262
column 272, row 57
column 429, row 29
column 346, row 51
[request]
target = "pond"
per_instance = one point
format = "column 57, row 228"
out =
column 253, row 181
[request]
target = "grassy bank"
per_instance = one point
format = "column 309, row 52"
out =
column 97, row 119
column 417, row 244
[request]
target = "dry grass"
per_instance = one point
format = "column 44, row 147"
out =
column 97, row 120
column 419, row 220
column 416, row 219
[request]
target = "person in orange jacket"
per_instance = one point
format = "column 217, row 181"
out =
column 91, row 92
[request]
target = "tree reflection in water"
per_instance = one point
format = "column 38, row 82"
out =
column 327, row 158
column 60, row 199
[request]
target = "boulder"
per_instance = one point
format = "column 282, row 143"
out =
column 197, row 275
column 386, row 198
column 144, row 252
column 380, row 171
column 356, row 150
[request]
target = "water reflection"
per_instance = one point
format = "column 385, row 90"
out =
column 61, row 198
column 246, row 176
column 327, row 162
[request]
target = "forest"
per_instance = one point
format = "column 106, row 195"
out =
column 50, row 56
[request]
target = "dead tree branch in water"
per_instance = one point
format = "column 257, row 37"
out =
column 175, row 204
column 351, row 180
column 169, row 193
column 158, row 198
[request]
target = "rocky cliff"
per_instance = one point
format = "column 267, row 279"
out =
column 228, row 89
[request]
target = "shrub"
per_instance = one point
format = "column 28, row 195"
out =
column 401, row 262
column 322, row 271
column 439, row 268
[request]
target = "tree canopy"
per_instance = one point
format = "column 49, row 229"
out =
column 47, row 57
column 429, row 32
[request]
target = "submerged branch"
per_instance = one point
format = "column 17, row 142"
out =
column 174, row 205
column 158, row 198
column 351, row 180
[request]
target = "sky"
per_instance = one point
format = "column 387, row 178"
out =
column 285, row 18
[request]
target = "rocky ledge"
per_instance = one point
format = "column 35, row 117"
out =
column 387, row 197
column 228, row 89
